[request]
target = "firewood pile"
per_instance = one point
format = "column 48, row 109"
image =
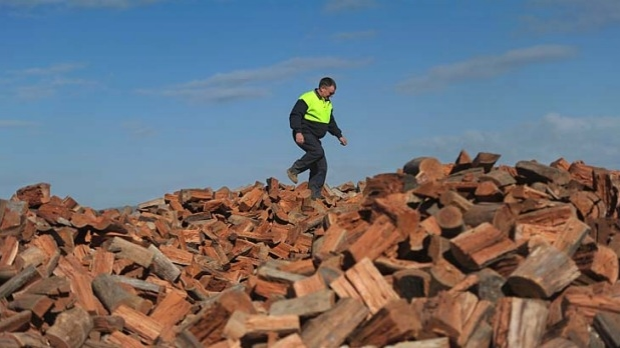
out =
column 462, row 254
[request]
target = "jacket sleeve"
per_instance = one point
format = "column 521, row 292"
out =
column 332, row 127
column 297, row 114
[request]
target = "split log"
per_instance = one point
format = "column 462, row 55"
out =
column 112, row 295
column 485, row 160
column 519, row 323
column 370, row 284
column 481, row 246
column 332, row 328
column 608, row 327
column 71, row 328
column 17, row 281
column 424, row 169
column 242, row 324
column 395, row 322
column 535, row 171
column 450, row 220
column 304, row 306
column 545, row 271
column 34, row 195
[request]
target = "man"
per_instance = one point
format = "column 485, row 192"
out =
column 310, row 120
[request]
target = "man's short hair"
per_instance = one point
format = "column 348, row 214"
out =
column 327, row 82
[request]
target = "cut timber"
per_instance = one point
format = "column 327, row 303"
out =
column 444, row 276
column 172, row 309
column 500, row 178
column 242, row 324
column 16, row 322
column 304, row 306
column 535, row 171
column 395, row 322
column 136, row 322
column 589, row 204
column 12, row 217
column 410, row 283
column 452, row 198
column 332, row 328
column 380, row 236
column 71, row 328
column 424, row 169
column 519, row 323
column 604, row 265
column 290, row 341
column 544, row 272
column 128, row 250
column 481, row 212
column 450, row 220
column 485, row 160
column 550, row 216
column 487, row 191
column 162, row 266
column 442, row 342
column 17, row 281
column 608, row 327
column 571, row 236
column 113, row 295
column 481, row 246
column 559, row 342
column 370, row 284
column 34, row 195
column 462, row 162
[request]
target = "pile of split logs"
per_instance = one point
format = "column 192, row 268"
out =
column 464, row 254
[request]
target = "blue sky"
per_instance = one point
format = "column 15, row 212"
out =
column 116, row 102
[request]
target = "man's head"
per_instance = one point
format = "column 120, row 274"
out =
column 327, row 87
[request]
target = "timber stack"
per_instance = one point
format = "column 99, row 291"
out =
column 462, row 254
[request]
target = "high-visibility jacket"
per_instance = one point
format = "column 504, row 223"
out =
column 314, row 115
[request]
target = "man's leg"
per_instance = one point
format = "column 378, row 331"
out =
column 318, row 173
column 314, row 152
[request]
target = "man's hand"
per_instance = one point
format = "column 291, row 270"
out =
column 343, row 141
column 299, row 138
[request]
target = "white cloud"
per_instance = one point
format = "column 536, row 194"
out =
column 41, row 82
column 138, row 128
column 355, row 35
column 18, row 124
column 250, row 83
column 56, row 69
column 572, row 15
column 348, row 5
column 590, row 139
column 484, row 67
column 77, row 3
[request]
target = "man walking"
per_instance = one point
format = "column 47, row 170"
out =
column 310, row 120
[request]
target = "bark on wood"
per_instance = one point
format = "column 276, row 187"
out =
column 608, row 327
column 16, row 282
column 395, row 322
column 535, row 171
column 424, row 169
column 71, row 328
column 485, row 160
column 332, row 328
column 545, row 271
column 519, row 323
column 112, row 295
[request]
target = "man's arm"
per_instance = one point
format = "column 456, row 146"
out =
column 332, row 127
column 297, row 114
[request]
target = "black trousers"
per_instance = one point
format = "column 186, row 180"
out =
column 314, row 160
